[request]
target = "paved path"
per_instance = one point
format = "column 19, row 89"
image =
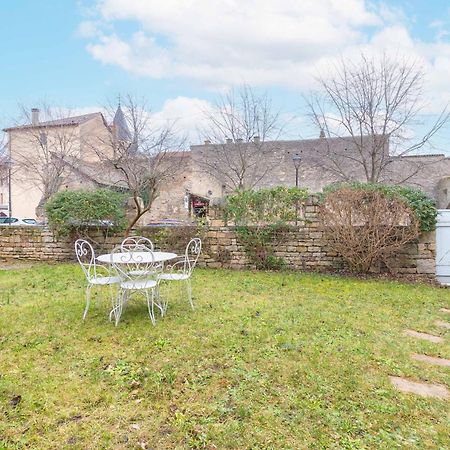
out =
column 417, row 387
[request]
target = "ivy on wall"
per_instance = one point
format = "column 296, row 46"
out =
column 260, row 216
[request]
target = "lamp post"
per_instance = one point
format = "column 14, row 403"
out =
column 296, row 160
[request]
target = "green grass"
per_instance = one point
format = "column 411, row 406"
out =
column 267, row 361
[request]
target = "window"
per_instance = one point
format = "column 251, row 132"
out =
column 199, row 206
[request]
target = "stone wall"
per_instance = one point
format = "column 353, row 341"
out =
column 301, row 248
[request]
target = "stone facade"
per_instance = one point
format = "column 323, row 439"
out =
column 206, row 173
column 302, row 247
column 430, row 173
column 71, row 144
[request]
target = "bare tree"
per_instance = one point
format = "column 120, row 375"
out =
column 142, row 155
column 375, row 103
column 366, row 228
column 42, row 148
column 238, row 127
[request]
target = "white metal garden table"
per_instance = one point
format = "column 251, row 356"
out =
column 144, row 257
column 139, row 258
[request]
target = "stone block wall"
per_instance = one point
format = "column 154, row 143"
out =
column 300, row 247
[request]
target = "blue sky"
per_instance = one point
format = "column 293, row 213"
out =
column 78, row 54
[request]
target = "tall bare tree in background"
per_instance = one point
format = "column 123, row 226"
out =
column 40, row 155
column 143, row 155
column 376, row 103
column 239, row 126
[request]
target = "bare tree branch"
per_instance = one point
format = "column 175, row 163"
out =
column 239, row 128
column 143, row 162
column 374, row 103
column 41, row 152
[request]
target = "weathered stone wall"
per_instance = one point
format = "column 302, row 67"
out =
column 301, row 248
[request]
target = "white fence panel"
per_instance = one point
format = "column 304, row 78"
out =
column 443, row 246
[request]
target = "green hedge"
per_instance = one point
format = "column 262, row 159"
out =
column 267, row 206
column 422, row 206
column 259, row 215
column 72, row 211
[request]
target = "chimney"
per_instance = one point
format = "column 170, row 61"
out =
column 256, row 139
column 207, row 142
column 228, row 140
column 34, row 116
column 322, row 134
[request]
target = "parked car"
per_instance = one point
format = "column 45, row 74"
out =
column 170, row 223
column 16, row 221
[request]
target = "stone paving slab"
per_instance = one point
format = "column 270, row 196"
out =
column 445, row 310
column 442, row 324
column 432, row 360
column 424, row 336
column 422, row 389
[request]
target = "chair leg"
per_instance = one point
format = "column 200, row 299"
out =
column 189, row 289
column 159, row 301
column 151, row 311
column 88, row 300
column 165, row 305
column 180, row 286
column 114, row 293
column 118, row 308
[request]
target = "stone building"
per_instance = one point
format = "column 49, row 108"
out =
column 209, row 171
column 199, row 185
column 66, row 146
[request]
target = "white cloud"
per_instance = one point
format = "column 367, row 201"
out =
column 87, row 29
column 216, row 42
column 259, row 42
column 187, row 114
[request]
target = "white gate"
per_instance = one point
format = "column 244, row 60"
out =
column 443, row 246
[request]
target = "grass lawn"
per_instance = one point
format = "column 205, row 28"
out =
column 267, row 361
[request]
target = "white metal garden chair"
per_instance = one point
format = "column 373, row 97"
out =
column 139, row 274
column 96, row 274
column 182, row 270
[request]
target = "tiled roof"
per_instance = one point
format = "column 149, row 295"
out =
column 66, row 121
column 95, row 171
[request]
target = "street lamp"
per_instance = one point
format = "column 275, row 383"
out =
column 297, row 160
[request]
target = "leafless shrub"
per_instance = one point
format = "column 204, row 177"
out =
column 366, row 227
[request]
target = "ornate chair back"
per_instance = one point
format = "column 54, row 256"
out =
column 86, row 257
column 136, row 243
column 191, row 255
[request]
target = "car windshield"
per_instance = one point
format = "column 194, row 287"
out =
column 8, row 220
